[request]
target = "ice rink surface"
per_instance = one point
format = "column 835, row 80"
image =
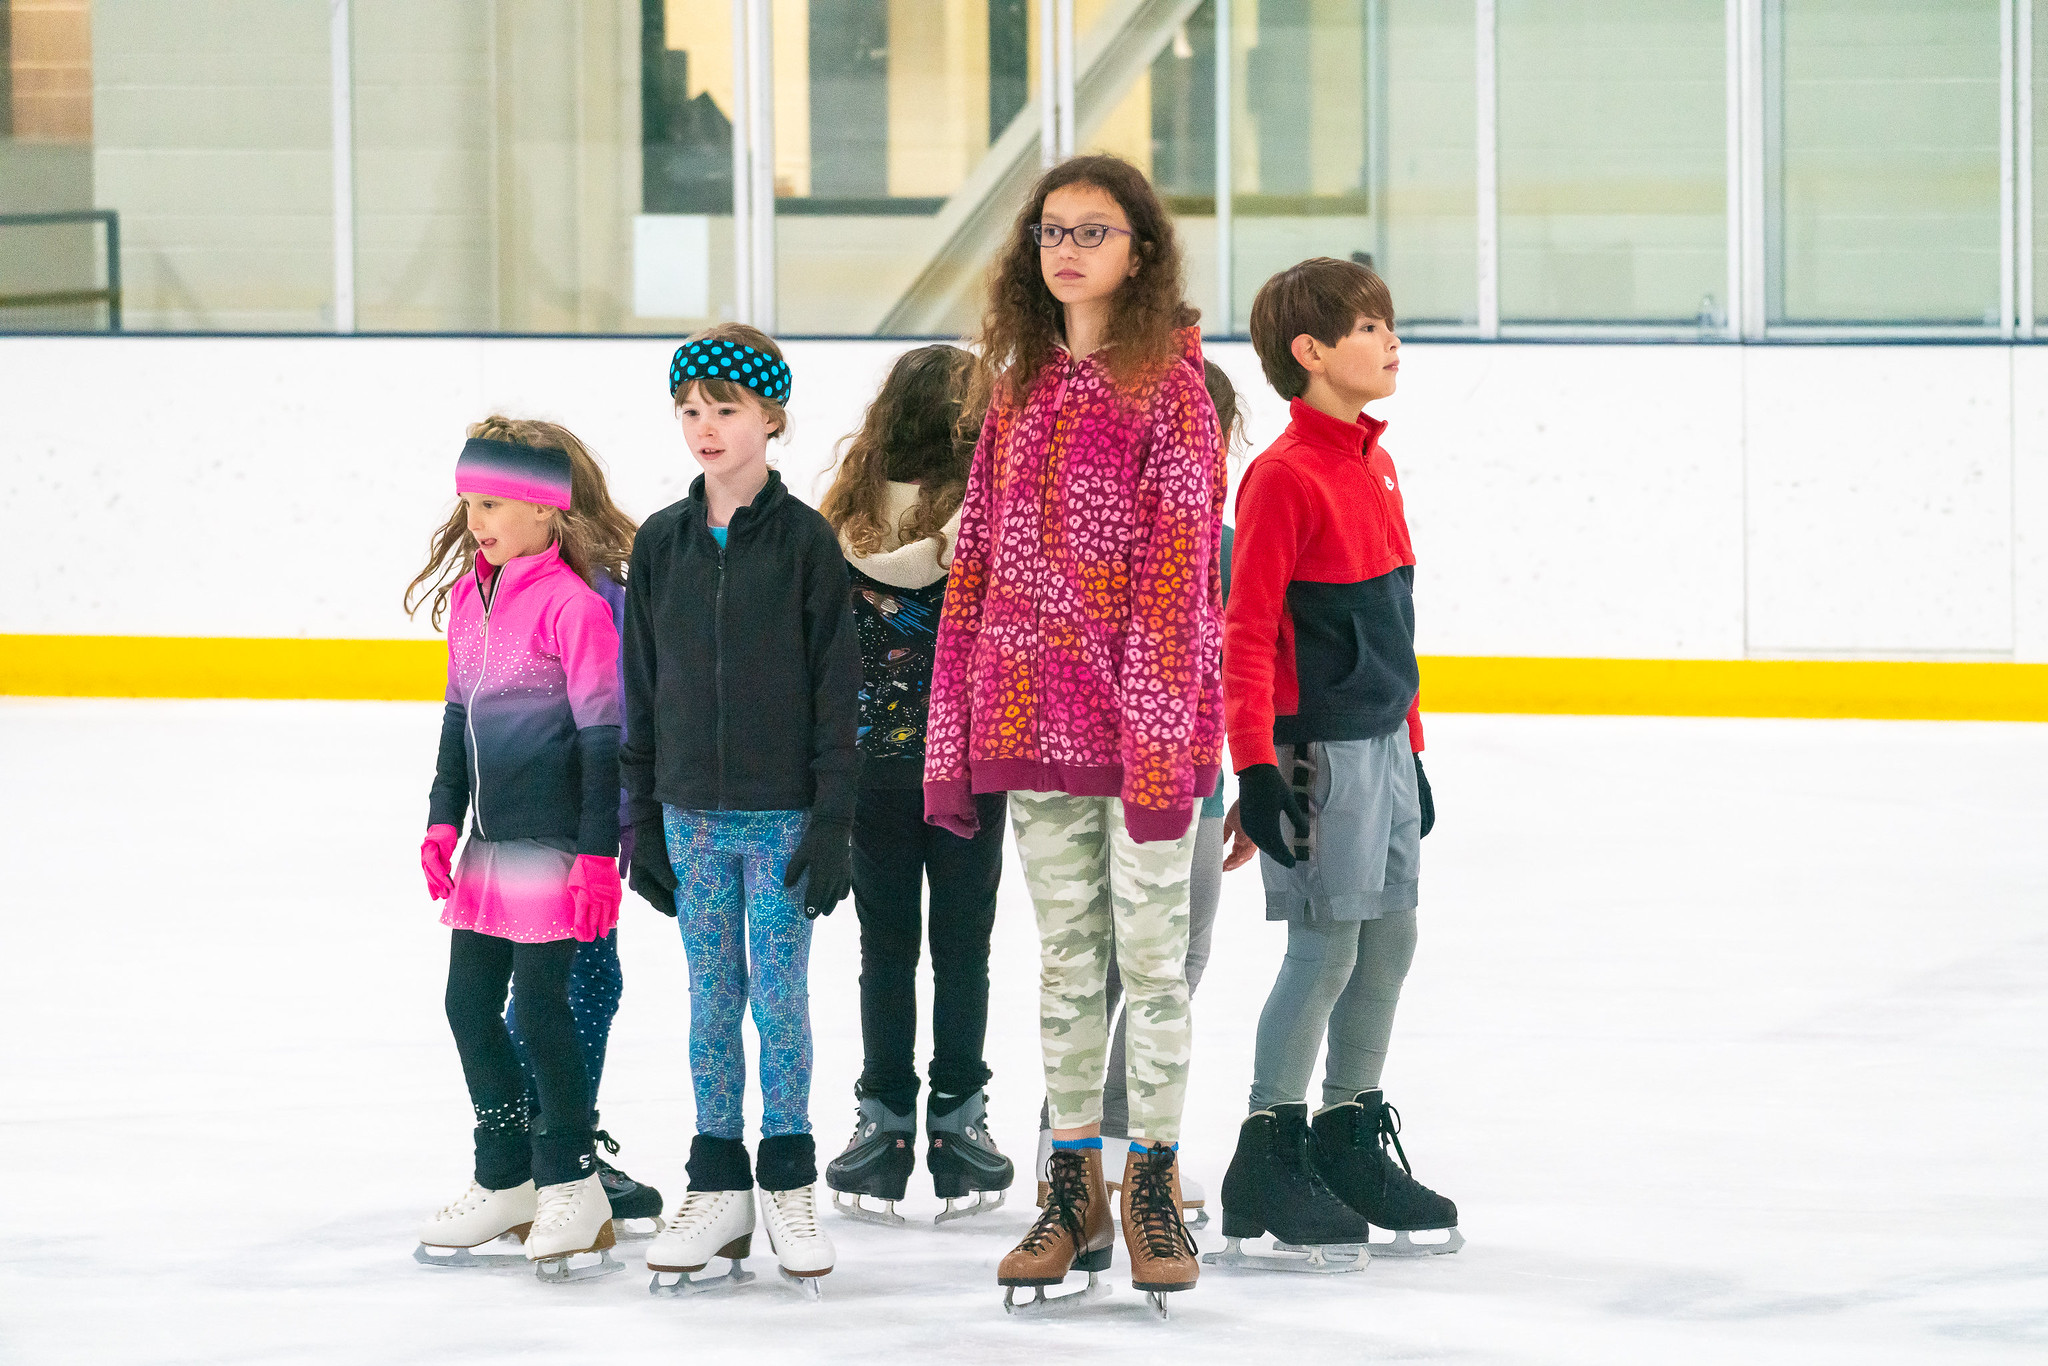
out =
column 1730, row 1039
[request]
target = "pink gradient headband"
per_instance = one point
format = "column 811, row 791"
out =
column 504, row 469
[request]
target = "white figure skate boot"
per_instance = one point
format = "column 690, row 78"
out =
column 707, row 1224
column 476, row 1217
column 802, row 1248
column 573, row 1217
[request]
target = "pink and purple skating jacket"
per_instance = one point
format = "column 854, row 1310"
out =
column 1080, row 647
column 530, row 733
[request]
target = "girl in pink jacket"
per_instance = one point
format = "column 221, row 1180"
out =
column 1078, row 669
column 529, row 754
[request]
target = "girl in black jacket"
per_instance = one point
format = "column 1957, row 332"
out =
column 742, row 674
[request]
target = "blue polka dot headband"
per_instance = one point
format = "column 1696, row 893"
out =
column 713, row 358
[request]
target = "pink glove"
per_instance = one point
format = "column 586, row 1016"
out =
column 435, row 851
column 594, row 894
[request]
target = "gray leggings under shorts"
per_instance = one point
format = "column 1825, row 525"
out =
column 1347, row 973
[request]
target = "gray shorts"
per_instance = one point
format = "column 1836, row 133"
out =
column 1365, row 832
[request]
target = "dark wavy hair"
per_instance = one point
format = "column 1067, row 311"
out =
column 917, row 431
column 1022, row 324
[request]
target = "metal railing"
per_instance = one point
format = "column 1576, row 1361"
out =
column 52, row 298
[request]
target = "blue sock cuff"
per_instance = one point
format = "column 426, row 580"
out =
column 1139, row 1145
column 1075, row 1145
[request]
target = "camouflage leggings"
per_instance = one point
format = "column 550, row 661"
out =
column 1089, row 881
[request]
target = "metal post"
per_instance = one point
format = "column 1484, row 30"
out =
column 1749, row 268
column 761, row 40
column 742, row 171
column 1226, row 284
column 341, row 81
column 1731, row 170
column 1378, row 101
column 2006, row 187
column 113, row 222
column 1048, row 87
column 1484, row 22
column 1066, row 77
column 2023, row 182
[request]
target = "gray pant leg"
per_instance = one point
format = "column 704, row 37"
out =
column 1363, row 1018
column 1315, row 973
column 1205, row 887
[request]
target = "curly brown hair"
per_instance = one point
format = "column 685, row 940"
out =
column 594, row 534
column 919, row 430
column 1022, row 324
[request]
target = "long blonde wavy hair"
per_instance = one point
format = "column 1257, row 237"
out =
column 594, row 535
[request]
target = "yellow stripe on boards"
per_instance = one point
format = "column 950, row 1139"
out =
column 223, row 666
column 1877, row 689
column 415, row 670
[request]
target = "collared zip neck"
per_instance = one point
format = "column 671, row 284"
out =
column 1321, row 432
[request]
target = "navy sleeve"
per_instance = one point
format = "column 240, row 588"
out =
column 448, row 801
column 636, row 663
column 597, row 758
column 832, row 651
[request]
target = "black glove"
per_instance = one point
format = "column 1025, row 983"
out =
column 1262, row 798
column 826, row 853
column 648, row 871
column 1422, row 795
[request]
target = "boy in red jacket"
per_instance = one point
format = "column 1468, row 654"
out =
column 1320, row 687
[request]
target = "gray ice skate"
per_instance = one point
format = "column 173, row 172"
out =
column 875, row 1164
column 963, row 1158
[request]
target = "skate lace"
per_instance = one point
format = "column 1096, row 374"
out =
column 1066, row 1183
column 1156, row 1211
column 607, row 1142
column 1387, row 1128
column 796, row 1211
column 463, row 1203
column 557, row 1203
column 698, row 1209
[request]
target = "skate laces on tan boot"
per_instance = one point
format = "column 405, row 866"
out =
column 1148, row 1195
column 1065, row 1200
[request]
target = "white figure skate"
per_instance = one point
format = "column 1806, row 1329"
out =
column 707, row 1224
column 573, row 1218
column 803, row 1250
column 476, row 1217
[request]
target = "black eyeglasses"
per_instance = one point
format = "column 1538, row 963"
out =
column 1087, row 235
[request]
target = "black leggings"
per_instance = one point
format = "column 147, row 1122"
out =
column 894, row 852
column 480, row 967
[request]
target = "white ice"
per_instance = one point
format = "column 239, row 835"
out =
column 1730, row 1039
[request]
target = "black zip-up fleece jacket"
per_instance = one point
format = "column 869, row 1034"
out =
column 742, row 666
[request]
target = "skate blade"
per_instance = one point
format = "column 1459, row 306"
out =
column 808, row 1286
column 1404, row 1244
column 563, row 1270
column 982, row 1205
column 465, row 1257
column 1200, row 1219
column 1043, row 1304
column 683, row 1284
column 1160, row 1302
column 852, row 1208
column 1334, row 1260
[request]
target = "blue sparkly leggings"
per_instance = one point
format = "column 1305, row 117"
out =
column 595, row 984
column 747, row 941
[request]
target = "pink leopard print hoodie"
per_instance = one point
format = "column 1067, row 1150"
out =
column 1081, row 644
